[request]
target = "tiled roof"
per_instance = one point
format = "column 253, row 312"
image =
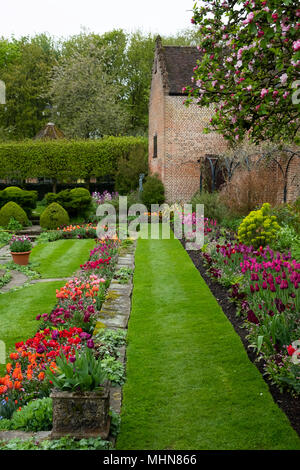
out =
column 179, row 62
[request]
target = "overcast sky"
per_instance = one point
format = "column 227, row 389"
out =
column 62, row 18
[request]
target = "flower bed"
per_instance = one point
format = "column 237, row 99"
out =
column 264, row 285
column 66, row 330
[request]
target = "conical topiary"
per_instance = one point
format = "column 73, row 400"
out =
column 12, row 209
column 54, row 216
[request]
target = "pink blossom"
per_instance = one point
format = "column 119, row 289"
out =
column 264, row 92
column 296, row 45
column 283, row 78
column 249, row 18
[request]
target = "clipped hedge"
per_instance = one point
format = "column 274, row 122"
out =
column 76, row 201
column 12, row 209
column 66, row 159
column 54, row 216
column 26, row 199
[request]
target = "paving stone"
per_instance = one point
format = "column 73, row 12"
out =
column 24, row 436
column 116, row 399
column 118, row 321
column 18, row 279
column 124, row 289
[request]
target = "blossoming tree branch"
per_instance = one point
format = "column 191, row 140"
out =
column 249, row 66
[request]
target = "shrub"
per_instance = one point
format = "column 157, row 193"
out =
column 153, row 191
column 75, row 201
column 26, row 199
column 248, row 190
column 54, row 216
column 129, row 169
column 258, row 228
column 12, row 209
column 213, row 208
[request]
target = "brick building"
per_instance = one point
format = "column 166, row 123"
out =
column 176, row 138
column 177, row 145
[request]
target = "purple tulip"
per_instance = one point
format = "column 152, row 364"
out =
column 90, row 343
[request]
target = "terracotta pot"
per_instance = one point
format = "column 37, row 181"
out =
column 21, row 258
column 81, row 415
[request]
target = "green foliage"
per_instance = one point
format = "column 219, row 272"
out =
column 76, row 201
column 213, row 208
column 4, row 237
column 26, row 199
column 129, row 169
column 114, row 369
column 153, row 191
column 85, row 374
column 35, row 416
column 86, row 99
column 123, row 275
column 14, row 225
column 66, row 159
column 54, row 216
column 48, row 237
column 4, row 278
column 231, row 223
column 288, row 215
column 115, row 423
column 12, row 209
column 259, row 228
column 286, row 237
column 112, row 338
column 26, row 74
column 65, row 443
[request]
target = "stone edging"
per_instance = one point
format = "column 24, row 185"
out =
column 115, row 313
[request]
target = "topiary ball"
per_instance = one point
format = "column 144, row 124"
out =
column 54, row 216
column 12, row 209
column 259, row 228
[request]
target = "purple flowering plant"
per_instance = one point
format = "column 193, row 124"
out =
column 20, row 244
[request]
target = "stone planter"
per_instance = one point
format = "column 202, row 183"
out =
column 21, row 258
column 81, row 415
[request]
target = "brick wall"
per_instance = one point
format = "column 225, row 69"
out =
column 181, row 141
column 157, row 123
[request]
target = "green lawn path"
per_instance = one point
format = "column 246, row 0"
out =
column 190, row 384
column 61, row 258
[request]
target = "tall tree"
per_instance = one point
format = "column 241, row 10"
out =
column 85, row 101
column 25, row 69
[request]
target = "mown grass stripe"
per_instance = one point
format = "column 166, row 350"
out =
column 190, row 384
column 61, row 258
